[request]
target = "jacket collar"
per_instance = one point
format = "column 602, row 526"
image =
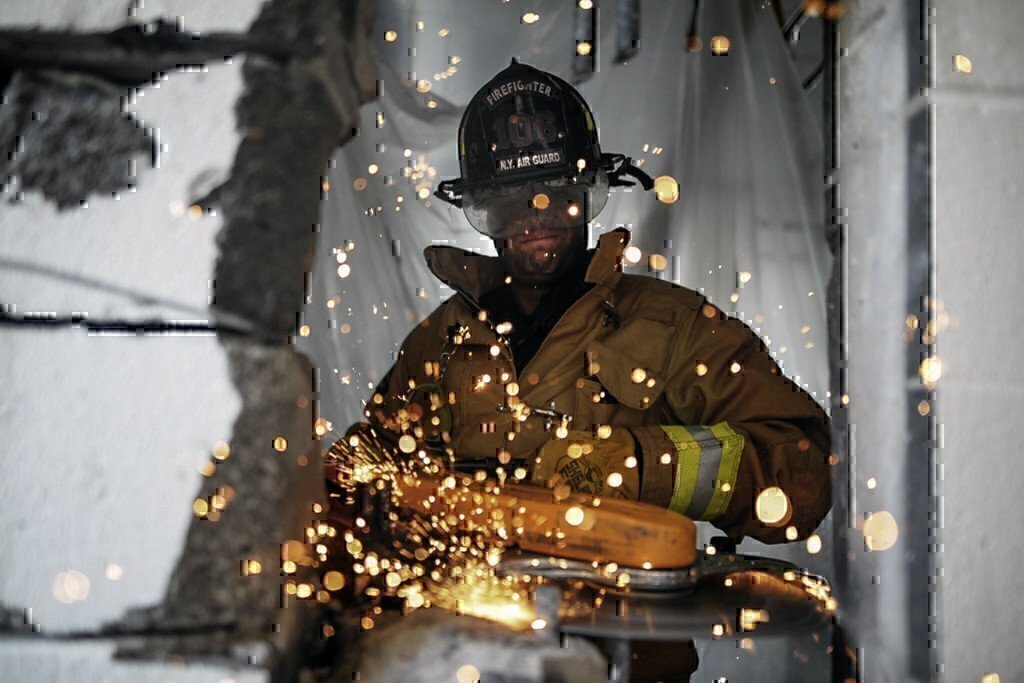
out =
column 474, row 274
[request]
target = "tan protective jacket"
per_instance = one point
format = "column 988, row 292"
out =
column 717, row 422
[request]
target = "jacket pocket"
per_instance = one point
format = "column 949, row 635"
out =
column 594, row 405
column 629, row 362
column 474, row 383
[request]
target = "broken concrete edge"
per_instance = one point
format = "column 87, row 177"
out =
column 73, row 122
column 269, row 485
column 135, row 53
column 333, row 49
column 293, row 116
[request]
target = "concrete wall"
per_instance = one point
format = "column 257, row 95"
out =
column 929, row 171
column 154, row 237
column 873, row 218
column 979, row 144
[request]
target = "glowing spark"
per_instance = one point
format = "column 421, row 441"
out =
column 221, row 450
column 962, row 64
column 666, row 188
column 70, row 586
column 657, row 262
column 930, row 370
column 880, row 531
column 750, row 618
column 632, row 255
column 719, row 45
column 322, row 426
column 114, row 572
column 530, row 17
column 615, row 480
column 772, row 506
column 638, row 375
column 814, row 544
column 391, row 36
column 574, row 516
column 583, row 48
column 280, row 444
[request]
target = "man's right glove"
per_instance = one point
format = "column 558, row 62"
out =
column 591, row 464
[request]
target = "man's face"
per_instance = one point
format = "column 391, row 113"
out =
column 535, row 255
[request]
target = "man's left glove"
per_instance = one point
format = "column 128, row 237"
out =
column 591, row 464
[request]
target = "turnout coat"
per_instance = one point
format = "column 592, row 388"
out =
column 723, row 435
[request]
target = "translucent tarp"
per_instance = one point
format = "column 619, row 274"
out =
column 735, row 130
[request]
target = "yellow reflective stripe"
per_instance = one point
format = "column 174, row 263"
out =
column 732, row 450
column 707, row 459
column 686, row 467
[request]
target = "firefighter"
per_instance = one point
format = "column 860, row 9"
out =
column 552, row 365
column 550, row 359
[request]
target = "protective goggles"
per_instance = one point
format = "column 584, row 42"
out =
column 500, row 211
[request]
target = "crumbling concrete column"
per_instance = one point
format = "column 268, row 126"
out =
column 157, row 226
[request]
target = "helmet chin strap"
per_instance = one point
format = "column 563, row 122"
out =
column 619, row 165
column 446, row 192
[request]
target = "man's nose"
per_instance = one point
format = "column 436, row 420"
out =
column 534, row 221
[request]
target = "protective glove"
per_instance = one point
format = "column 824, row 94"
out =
column 591, row 464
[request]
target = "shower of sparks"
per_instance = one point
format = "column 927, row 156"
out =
column 446, row 546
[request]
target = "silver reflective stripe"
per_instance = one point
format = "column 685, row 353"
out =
column 707, row 470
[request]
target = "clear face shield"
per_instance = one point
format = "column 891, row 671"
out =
column 501, row 211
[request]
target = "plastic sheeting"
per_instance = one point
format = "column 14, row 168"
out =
column 735, row 130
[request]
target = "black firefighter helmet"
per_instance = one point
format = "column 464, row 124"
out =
column 528, row 147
